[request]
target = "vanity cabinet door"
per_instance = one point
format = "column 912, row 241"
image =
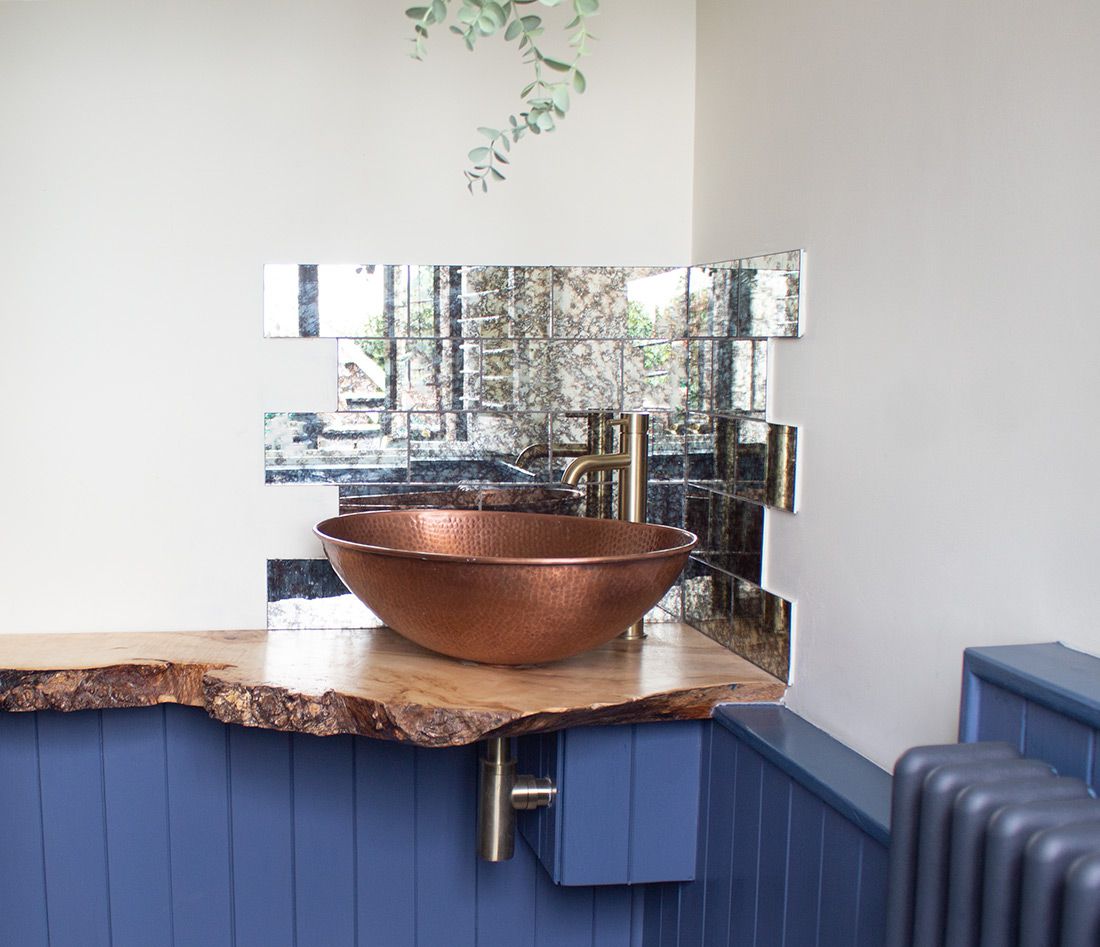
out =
column 627, row 809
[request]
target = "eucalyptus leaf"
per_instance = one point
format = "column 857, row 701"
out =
column 547, row 101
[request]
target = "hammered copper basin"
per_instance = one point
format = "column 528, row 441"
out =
column 504, row 588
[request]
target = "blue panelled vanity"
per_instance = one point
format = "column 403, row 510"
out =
column 161, row 826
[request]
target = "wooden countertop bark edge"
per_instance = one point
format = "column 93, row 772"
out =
column 269, row 705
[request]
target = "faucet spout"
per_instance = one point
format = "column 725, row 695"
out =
column 590, row 463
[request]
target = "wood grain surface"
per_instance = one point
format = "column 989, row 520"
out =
column 374, row 683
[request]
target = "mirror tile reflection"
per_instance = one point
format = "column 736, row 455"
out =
column 730, row 531
column 738, row 615
column 457, row 379
column 744, row 457
column 757, row 297
column 619, row 302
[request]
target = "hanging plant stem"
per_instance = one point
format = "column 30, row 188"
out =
column 546, row 96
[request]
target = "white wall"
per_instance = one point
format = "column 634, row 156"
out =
column 155, row 156
column 939, row 162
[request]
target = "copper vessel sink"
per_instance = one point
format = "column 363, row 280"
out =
column 504, row 588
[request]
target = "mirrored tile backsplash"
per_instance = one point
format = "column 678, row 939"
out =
column 452, row 379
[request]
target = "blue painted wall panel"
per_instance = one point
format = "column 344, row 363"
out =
column 718, row 876
column 563, row 916
column 594, row 807
column 506, row 900
column 1064, row 743
column 807, row 831
column 771, row 897
column 692, row 896
column 840, row 864
column 1054, row 696
column 135, row 780
column 385, row 834
column 628, row 803
column 1000, row 716
column 747, row 830
column 197, row 756
column 872, row 892
column 74, row 828
column 257, row 837
column 446, row 818
column 23, row 877
column 780, row 865
column 612, row 916
column 324, row 841
column 664, row 784
column 263, row 837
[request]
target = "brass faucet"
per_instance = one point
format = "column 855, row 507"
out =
column 632, row 462
column 600, row 440
column 537, row 451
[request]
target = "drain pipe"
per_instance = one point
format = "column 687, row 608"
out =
column 500, row 793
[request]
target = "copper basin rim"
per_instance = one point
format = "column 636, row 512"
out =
column 504, row 588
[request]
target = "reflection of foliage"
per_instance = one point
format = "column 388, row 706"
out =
column 546, row 97
column 655, row 357
column 374, row 349
column 422, row 321
column 639, row 322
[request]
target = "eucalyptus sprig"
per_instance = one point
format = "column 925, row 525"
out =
column 546, row 95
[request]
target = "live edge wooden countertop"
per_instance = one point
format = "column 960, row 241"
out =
column 374, row 683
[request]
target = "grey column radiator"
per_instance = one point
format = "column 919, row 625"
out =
column 989, row 849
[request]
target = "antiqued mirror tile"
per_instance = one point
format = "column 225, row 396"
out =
column 739, row 615
column 711, row 299
column 768, row 295
column 656, row 303
column 516, row 374
column 730, row 531
column 335, row 447
column 506, row 301
column 437, row 374
column 670, row 607
column 700, row 375
column 619, row 302
column 307, row 594
column 708, row 601
column 476, row 447
column 666, row 445
column 762, row 628
column 334, row 300
column 586, row 374
column 665, row 503
column 741, row 376
column 365, row 379
column 427, row 297
column 654, row 375
column 744, row 457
